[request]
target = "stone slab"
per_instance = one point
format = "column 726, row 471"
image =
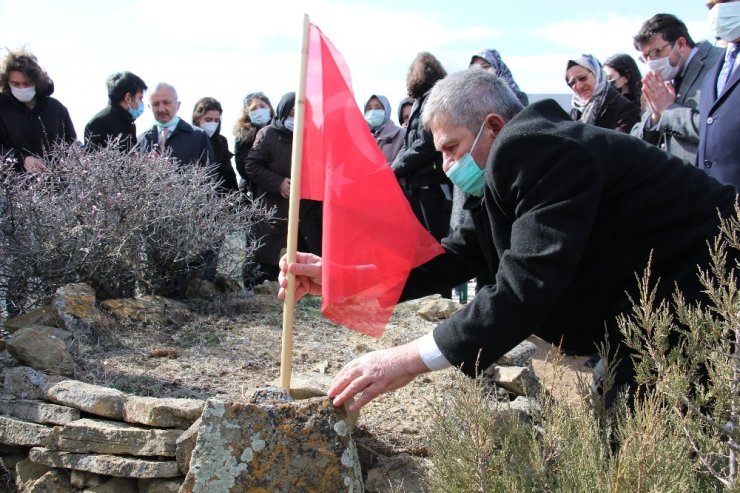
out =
column 109, row 465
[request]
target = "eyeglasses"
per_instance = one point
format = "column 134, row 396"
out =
column 579, row 78
column 653, row 54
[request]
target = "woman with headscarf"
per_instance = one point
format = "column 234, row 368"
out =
column 594, row 101
column 388, row 135
column 404, row 111
column 268, row 169
column 491, row 61
column 623, row 73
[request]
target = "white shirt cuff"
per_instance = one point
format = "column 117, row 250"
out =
column 430, row 353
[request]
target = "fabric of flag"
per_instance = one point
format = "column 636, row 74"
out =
column 371, row 237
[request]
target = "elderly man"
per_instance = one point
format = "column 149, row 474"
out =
column 570, row 213
column 671, row 87
column 170, row 134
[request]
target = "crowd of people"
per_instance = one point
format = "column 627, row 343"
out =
column 556, row 235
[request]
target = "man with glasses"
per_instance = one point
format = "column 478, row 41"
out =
column 671, row 87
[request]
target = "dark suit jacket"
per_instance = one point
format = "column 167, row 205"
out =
column 574, row 212
column 678, row 128
column 719, row 131
column 189, row 145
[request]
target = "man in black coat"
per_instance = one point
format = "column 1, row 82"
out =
column 571, row 213
column 116, row 121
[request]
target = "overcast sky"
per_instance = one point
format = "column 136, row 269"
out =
column 226, row 49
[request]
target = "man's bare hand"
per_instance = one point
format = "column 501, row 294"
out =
column 33, row 165
column 307, row 271
column 376, row 373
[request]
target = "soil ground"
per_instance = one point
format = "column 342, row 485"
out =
column 231, row 345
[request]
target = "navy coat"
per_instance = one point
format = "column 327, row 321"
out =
column 719, row 130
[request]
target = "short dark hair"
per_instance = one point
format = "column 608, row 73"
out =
column 667, row 25
column 122, row 83
column 424, row 72
column 203, row 106
column 25, row 62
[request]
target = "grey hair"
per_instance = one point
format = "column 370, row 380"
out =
column 465, row 98
column 164, row 85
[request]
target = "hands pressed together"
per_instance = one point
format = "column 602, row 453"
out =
column 371, row 374
column 659, row 94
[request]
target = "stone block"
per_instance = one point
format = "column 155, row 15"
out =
column 44, row 315
column 23, row 433
column 516, row 379
column 54, row 481
column 521, row 355
column 93, row 399
column 40, row 347
column 82, row 479
column 184, row 446
column 438, row 309
column 28, row 472
column 294, row 446
column 38, row 411
column 112, row 437
column 146, row 309
column 160, row 485
column 162, row 412
column 109, row 465
column 75, row 306
column 115, row 485
column 27, row 383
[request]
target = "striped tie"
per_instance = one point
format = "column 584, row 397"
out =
column 726, row 72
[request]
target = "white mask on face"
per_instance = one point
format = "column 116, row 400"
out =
column 724, row 20
column 209, row 127
column 23, row 94
column 664, row 68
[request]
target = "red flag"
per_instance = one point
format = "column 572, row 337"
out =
column 371, row 237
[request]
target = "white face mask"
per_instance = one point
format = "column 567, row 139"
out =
column 724, row 20
column 209, row 127
column 664, row 68
column 23, row 94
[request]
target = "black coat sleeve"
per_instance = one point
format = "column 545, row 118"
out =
column 550, row 187
column 419, row 153
column 258, row 161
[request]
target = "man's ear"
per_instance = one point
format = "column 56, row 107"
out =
column 495, row 122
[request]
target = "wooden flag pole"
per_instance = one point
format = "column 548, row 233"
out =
column 286, row 351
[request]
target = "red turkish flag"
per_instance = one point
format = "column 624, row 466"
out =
column 371, row 237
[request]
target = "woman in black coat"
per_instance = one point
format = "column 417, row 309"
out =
column 268, row 170
column 256, row 114
column 207, row 115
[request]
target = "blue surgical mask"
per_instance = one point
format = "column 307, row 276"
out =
column 289, row 123
column 466, row 174
column 170, row 124
column 375, row 118
column 136, row 112
column 24, row 94
column 260, row 116
column 724, row 20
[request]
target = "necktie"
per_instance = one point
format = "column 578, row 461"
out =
column 726, row 72
column 164, row 132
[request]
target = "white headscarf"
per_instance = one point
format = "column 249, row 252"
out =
column 590, row 109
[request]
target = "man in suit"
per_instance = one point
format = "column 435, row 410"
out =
column 570, row 214
column 671, row 87
column 719, row 108
column 188, row 144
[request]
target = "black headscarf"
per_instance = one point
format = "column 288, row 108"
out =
column 287, row 102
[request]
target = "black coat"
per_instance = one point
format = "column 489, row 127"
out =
column 617, row 112
column 111, row 122
column 418, row 163
column 31, row 132
column 573, row 213
column 225, row 173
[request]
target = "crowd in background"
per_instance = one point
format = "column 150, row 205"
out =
column 683, row 104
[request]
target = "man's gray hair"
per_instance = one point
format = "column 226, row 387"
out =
column 465, row 98
column 164, row 85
